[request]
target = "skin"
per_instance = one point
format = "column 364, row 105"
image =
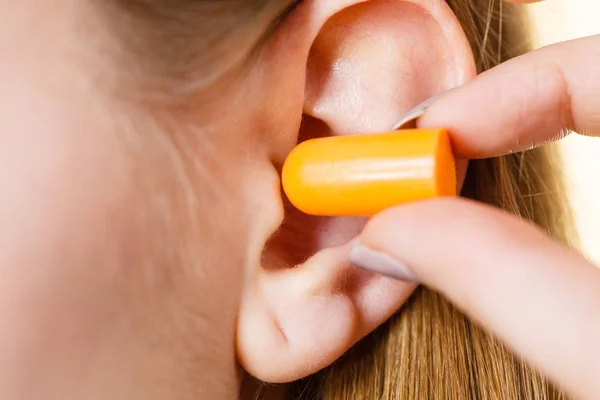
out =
column 114, row 280
column 539, row 296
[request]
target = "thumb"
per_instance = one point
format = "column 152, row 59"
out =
column 541, row 298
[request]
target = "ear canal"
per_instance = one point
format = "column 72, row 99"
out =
column 370, row 63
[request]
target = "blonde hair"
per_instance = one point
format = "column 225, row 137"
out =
column 429, row 349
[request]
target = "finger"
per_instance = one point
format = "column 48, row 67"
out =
column 539, row 297
column 525, row 102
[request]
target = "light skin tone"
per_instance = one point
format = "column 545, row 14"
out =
column 133, row 255
column 540, row 297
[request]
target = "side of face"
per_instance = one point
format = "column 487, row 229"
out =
column 123, row 227
column 146, row 240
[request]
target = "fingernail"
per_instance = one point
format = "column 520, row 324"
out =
column 379, row 262
column 416, row 112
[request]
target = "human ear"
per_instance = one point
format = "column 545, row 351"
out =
column 359, row 66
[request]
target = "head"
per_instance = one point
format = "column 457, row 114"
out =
column 168, row 123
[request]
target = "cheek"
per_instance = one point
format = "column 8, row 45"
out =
column 60, row 170
column 119, row 226
column 86, row 181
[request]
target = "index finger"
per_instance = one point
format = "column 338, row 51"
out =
column 528, row 101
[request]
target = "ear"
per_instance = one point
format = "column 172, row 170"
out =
column 354, row 67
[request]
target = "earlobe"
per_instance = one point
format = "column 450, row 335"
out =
column 365, row 65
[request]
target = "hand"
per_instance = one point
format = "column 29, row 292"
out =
column 538, row 296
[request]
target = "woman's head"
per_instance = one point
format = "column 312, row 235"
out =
column 170, row 121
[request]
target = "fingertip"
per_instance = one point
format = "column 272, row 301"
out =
column 413, row 217
column 406, row 232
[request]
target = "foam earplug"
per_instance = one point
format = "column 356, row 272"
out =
column 361, row 175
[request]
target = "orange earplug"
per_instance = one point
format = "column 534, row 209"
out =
column 363, row 174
